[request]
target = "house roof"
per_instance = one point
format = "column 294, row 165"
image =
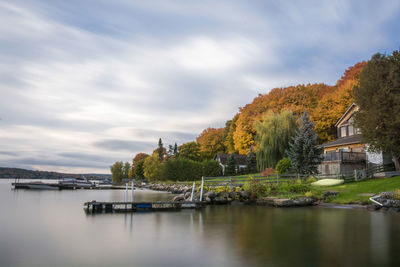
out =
column 223, row 158
column 345, row 113
column 353, row 139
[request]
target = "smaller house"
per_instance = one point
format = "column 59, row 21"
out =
column 223, row 161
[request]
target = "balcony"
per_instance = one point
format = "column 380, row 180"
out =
column 344, row 156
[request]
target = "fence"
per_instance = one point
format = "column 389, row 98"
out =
column 240, row 180
column 351, row 176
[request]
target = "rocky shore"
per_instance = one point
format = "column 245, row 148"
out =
column 389, row 201
column 233, row 197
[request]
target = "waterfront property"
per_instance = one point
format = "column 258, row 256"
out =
column 348, row 152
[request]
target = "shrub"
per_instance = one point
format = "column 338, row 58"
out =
column 255, row 188
column 211, row 168
column 283, row 165
column 397, row 193
column 221, row 189
column 267, row 172
column 308, row 194
column 183, row 169
column 294, row 187
column 311, row 179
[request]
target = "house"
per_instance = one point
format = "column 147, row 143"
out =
column 348, row 152
column 223, row 161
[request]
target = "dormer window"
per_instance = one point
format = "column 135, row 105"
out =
column 351, row 130
column 343, row 131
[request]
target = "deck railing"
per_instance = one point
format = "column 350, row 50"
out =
column 344, row 156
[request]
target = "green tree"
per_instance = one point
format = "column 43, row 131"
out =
column 160, row 150
column 190, row 150
column 153, row 169
column 273, row 136
column 304, row 152
column 251, row 161
column 117, row 171
column 126, row 169
column 231, row 165
column 378, row 97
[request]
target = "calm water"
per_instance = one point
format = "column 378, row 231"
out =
column 50, row 228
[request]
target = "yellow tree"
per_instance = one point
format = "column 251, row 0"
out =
column 211, row 142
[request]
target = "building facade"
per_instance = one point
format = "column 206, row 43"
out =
column 223, row 161
column 348, row 152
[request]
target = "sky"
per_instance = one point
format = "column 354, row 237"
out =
column 85, row 83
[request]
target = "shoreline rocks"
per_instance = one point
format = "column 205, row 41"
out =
column 241, row 197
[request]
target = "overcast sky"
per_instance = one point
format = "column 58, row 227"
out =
column 86, row 83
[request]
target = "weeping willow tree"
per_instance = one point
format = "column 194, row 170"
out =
column 274, row 134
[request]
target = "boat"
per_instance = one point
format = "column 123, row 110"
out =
column 75, row 183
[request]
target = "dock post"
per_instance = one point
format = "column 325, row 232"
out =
column 201, row 191
column 191, row 197
column 133, row 194
column 126, row 192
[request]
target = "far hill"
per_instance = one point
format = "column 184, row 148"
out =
column 30, row 174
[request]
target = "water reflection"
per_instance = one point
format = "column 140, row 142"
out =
column 47, row 228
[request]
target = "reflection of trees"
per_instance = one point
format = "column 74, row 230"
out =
column 292, row 237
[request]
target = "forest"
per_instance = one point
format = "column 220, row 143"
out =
column 323, row 103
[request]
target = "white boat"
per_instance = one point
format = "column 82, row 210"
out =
column 74, row 183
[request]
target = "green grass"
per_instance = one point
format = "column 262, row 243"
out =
column 348, row 193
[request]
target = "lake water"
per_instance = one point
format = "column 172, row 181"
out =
column 50, row 228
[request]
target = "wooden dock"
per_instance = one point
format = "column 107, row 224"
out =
column 111, row 207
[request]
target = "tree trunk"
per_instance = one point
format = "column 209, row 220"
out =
column 396, row 163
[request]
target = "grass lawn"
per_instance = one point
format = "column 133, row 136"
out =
column 348, row 193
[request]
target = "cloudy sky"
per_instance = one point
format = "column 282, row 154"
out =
column 84, row 83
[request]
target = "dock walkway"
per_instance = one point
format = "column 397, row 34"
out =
column 107, row 207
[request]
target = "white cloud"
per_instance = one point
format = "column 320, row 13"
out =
column 89, row 84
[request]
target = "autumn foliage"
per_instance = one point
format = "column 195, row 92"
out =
column 211, row 142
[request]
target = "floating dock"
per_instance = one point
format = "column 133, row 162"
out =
column 111, row 207
column 54, row 186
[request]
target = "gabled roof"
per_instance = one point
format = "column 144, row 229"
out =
column 223, row 158
column 353, row 139
column 345, row 113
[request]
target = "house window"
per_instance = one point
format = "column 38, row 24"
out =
column 357, row 131
column 343, row 131
column 351, row 130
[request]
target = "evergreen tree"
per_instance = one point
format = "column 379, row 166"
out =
column 251, row 161
column 175, row 150
column 304, row 152
column 160, row 150
column 170, row 152
column 231, row 165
